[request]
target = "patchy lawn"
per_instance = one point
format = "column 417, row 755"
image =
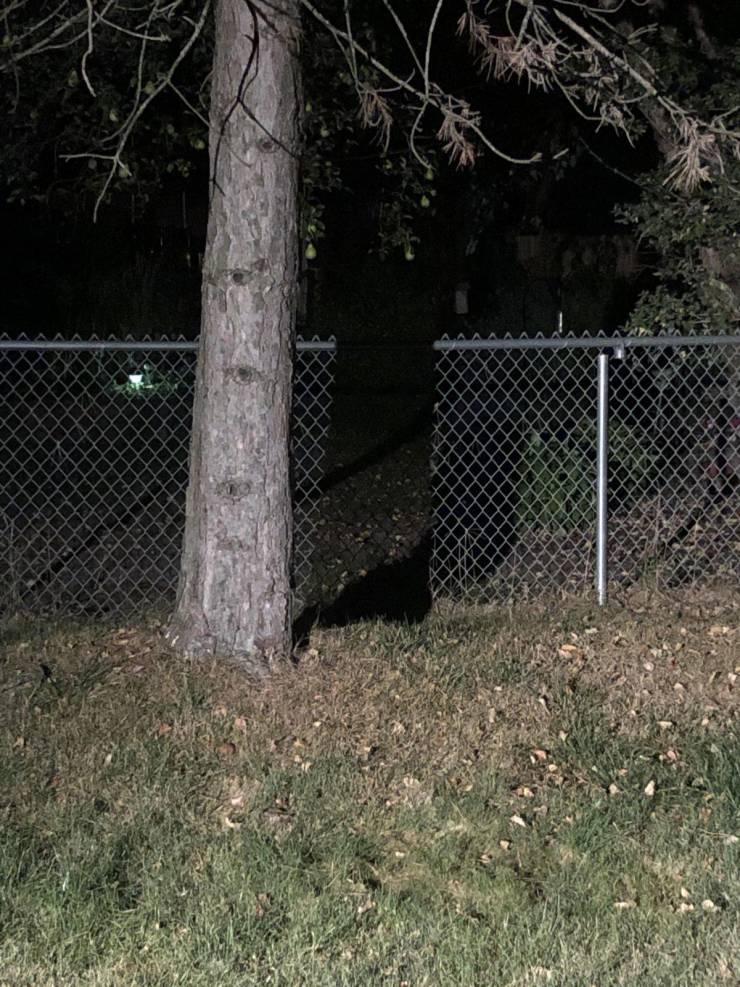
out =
column 487, row 798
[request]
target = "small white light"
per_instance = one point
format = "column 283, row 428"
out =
column 136, row 380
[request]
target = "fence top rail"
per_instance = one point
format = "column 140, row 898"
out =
column 584, row 343
column 135, row 345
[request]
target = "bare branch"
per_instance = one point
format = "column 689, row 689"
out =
column 465, row 123
column 351, row 56
column 404, row 35
column 89, row 49
column 428, row 50
column 697, row 22
column 55, row 39
column 150, row 38
column 122, row 135
column 198, row 114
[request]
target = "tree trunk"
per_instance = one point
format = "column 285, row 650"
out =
column 234, row 594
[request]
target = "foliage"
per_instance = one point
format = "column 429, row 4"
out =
column 695, row 242
column 692, row 236
column 117, row 100
column 66, row 122
column 66, row 111
column 556, row 489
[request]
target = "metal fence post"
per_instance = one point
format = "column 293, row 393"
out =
column 602, row 478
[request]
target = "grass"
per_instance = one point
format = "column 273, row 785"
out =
column 539, row 797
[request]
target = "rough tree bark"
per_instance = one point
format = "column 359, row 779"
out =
column 234, row 594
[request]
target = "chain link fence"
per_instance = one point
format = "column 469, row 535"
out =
column 94, row 446
column 515, row 491
column 375, row 507
column 94, row 442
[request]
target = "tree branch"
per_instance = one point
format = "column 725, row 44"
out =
column 123, row 134
column 458, row 118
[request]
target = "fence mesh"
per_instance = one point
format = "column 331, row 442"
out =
column 515, row 466
column 675, row 465
column 312, row 399
column 94, row 446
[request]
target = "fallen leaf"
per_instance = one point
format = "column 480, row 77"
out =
column 685, row 906
column 240, row 724
column 622, row 905
column 227, row 749
column 719, row 630
column 220, row 710
column 163, row 729
column 650, row 789
column 685, row 893
column 518, row 821
column 230, row 824
column 539, row 755
column 20, row 743
column 731, row 840
column 524, row 792
column 709, row 906
column 569, row 651
column 613, row 789
column 665, row 724
column 540, row 973
column 504, row 844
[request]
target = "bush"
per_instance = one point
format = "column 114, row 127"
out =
column 557, row 484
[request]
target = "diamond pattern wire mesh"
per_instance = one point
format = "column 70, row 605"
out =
column 94, row 445
column 514, row 467
column 312, row 400
column 675, row 465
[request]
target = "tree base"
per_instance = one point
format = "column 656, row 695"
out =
column 192, row 639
